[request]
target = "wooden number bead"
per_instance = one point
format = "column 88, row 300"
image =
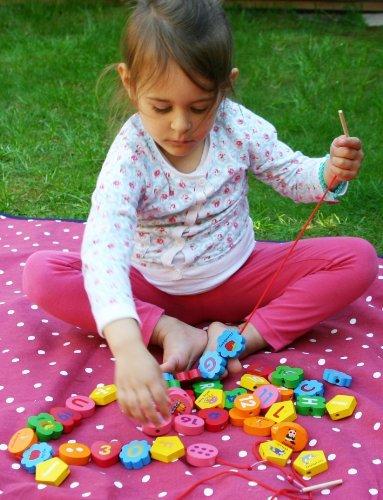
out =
column 216, row 419
column 34, row 455
column 135, row 454
column 201, row 454
column 268, row 395
column 52, row 471
column 158, row 430
column 68, row 418
column 190, row 425
column 258, row 426
column 105, row 454
column 74, row 453
column 291, row 434
column 180, row 401
column 81, row 404
column 21, row 441
column 248, row 404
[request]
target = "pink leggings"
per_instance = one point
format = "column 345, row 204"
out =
column 322, row 276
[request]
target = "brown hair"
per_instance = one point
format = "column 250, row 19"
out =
column 195, row 34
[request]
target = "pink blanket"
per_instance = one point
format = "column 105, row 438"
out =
column 44, row 361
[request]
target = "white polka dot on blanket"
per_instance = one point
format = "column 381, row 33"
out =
column 88, row 370
column 208, row 492
column 64, row 373
column 358, row 415
column 9, row 400
column 376, row 461
column 225, row 437
column 282, row 361
column 162, row 494
column 356, row 445
column 74, row 484
column 373, row 492
column 376, row 426
column 321, row 362
column 3, row 447
column 252, row 483
column 352, row 321
column 42, row 486
column 86, row 494
column 326, row 491
column 242, row 453
column 376, row 374
column 145, row 478
column 118, row 484
column 312, row 442
column 331, row 457
column 352, row 471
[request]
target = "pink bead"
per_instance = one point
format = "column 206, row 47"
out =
column 268, row 394
column 158, row 430
column 180, row 401
column 81, row 404
column 201, row 454
column 190, row 425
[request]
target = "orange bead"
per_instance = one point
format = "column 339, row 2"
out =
column 248, row 404
column 21, row 441
column 258, row 426
column 291, row 434
column 286, row 393
column 236, row 417
column 74, row 453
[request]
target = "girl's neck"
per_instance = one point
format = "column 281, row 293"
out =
column 186, row 164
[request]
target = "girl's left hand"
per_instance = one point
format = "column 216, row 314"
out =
column 346, row 155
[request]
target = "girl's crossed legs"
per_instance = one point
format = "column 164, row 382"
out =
column 320, row 278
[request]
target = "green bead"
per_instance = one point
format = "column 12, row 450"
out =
column 174, row 383
column 231, row 395
column 199, row 387
column 287, row 376
column 311, row 405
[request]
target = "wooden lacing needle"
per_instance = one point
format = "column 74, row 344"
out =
column 344, row 123
column 320, row 486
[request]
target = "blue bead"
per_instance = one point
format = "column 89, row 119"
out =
column 43, row 452
column 211, row 365
column 167, row 376
column 309, row 388
column 230, row 344
column 337, row 378
column 135, row 454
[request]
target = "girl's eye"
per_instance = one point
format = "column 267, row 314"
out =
column 161, row 110
column 199, row 110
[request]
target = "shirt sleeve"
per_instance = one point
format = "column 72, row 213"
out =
column 108, row 238
column 289, row 172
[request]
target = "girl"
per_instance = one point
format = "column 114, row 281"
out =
column 169, row 243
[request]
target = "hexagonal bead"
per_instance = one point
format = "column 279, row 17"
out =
column 287, row 376
column 104, row 395
column 251, row 382
column 341, row 406
column 52, row 472
column 211, row 365
column 167, row 448
column 310, row 463
column 284, row 411
column 311, row 405
column 230, row 344
column 135, row 454
column 211, row 398
column 275, row 452
column 338, row 378
column 309, row 388
column 199, row 387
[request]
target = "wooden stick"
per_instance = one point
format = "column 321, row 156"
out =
column 344, row 123
column 322, row 485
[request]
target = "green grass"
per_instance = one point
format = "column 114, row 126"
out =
column 296, row 71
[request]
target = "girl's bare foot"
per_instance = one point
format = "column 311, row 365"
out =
column 182, row 344
column 254, row 342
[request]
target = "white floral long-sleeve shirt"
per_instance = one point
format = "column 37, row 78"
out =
column 184, row 232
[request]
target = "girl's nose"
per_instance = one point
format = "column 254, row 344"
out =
column 181, row 123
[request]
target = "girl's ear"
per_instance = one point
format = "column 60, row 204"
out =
column 125, row 77
column 234, row 75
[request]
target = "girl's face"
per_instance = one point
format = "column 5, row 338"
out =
column 176, row 113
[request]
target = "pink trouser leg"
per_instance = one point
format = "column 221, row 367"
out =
column 321, row 277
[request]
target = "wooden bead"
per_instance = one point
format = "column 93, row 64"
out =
column 285, row 393
column 180, row 401
column 34, row 455
column 291, row 434
column 248, row 404
column 211, row 398
column 341, row 406
column 287, row 376
column 310, row 463
column 68, row 418
column 284, row 411
column 104, row 394
column 21, row 441
column 311, row 405
column 105, row 454
column 309, row 388
column 158, row 430
column 337, row 378
column 212, row 365
column 260, row 369
column 199, row 387
column 237, row 417
column 190, row 425
column 216, row 419
column 230, row 344
column 258, row 426
column 201, row 454
column 135, row 454
column 231, row 395
column 275, row 452
column 81, row 404
column 74, row 453
column 52, row 471
column 45, row 426
column 167, row 448
column 268, row 395
column 251, row 382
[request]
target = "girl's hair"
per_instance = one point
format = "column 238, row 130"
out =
column 195, row 34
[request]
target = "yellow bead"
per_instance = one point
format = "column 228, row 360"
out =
column 52, row 471
column 284, row 411
column 167, row 448
column 251, row 382
column 275, row 452
column 341, row 406
column 211, row 398
column 104, row 395
column 310, row 463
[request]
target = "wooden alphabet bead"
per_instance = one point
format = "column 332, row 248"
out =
column 34, row 455
column 231, row 395
column 201, row 454
column 104, row 394
column 341, row 406
column 81, row 404
column 338, row 378
column 21, row 441
column 311, row 405
column 260, row 369
column 190, row 425
column 287, row 376
column 275, row 452
column 211, row 365
column 309, row 388
column 53, row 471
column 258, row 426
column 267, row 395
column 199, row 387
column 68, row 418
column 310, row 463
column 251, row 382
column 105, row 454
column 216, row 419
column 284, row 411
column 167, row 449
column 248, row 404
column 291, row 434
column 180, row 401
column 158, row 430
column 74, row 453
column 230, row 344
column 45, row 426
column 135, row 454
column 211, row 398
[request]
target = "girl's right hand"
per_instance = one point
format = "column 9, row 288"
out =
column 141, row 389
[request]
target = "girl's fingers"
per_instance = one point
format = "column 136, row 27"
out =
column 160, row 398
column 134, row 404
column 148, row 406
column 344, row 163
column 348, row 153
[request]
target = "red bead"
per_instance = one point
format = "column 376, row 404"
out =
column 261, row 369
column 105, row 454
column 216, row 419
column 68, row 418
